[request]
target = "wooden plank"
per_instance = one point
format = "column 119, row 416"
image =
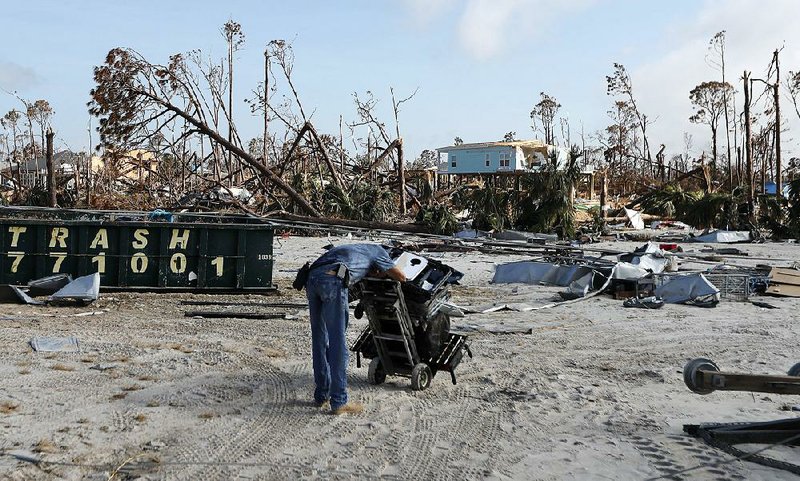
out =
column 723, row 381
column 783, row 290
column 785, row 276
column 233, row 315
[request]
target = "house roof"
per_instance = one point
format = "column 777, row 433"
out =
column 62, row 157
column 484, row 145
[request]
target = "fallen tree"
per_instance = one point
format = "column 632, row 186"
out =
column 139, row 103
column 324, row 221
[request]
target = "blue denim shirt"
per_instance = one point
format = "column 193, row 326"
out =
column 359, row 259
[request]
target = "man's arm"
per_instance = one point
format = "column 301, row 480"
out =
column 385, row 265
column 396, row 274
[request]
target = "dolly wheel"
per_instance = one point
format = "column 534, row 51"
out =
column 375, row 374
column 690, row 374
column 795, row 370
column 421, row 377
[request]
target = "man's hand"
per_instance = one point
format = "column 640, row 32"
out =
column 396, row 274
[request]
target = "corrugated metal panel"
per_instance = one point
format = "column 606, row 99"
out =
column 139, row 254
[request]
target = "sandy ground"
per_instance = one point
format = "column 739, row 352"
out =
column 593, row 392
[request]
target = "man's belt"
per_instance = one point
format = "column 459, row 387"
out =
column 339, row 270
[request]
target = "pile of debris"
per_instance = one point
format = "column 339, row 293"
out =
column 648, row 278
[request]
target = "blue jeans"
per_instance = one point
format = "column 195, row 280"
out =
column 327, row 301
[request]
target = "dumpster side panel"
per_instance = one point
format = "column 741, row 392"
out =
column 220, row 258
column 139, row 255
column 20, row 243
column 179, row 265
column 259, row 258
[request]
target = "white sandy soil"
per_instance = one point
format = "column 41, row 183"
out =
column 595, row 391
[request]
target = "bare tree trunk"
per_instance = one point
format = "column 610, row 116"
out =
column 341, row 146
column 603, row 193
column 325, row 157
column 778, row 180
column 748, row 143
column 76, row 176
column 410, row 228
column 215, row 137
column 714, row 144
column 401, row 175
column 265, row 140
column 89, row 167
column 309, row 128
column 51, row 170
column 727, row 121
column 230, row 113
column 396, row 144
column 34, row 154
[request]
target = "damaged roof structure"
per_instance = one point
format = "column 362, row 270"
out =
column 494, row 157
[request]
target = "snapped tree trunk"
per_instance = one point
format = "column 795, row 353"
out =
column 51, row 171
column 216, row 137
column 401, row 175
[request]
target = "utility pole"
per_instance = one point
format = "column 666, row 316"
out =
column 235, row 38
column 748, row 142
column 727, row 121
column 776, row 94
column 51, row 171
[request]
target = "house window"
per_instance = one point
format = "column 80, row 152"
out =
column 452, row 161
column 488, row 160
column 505, row 159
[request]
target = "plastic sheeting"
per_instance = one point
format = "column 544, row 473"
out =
column 532, row 272
column 629, row 272
column 690, row 288
column 724, row 237
column 634, row 218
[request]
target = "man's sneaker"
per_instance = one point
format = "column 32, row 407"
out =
column 349, row 408
column 324, row 404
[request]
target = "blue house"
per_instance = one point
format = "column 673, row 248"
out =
column 497, row 157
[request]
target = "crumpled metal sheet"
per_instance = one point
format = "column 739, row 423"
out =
column 644, row 260
column 470, row 234
column 533, row 272
column 54, row 344
column 516, row 235
column 48, row 285
column 581, row 287
column 687, row 288
column 84, row 289
column 14, row 295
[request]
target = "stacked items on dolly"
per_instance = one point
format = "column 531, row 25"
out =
column 409, row 332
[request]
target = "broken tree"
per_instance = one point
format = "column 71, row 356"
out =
column 138, row 102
